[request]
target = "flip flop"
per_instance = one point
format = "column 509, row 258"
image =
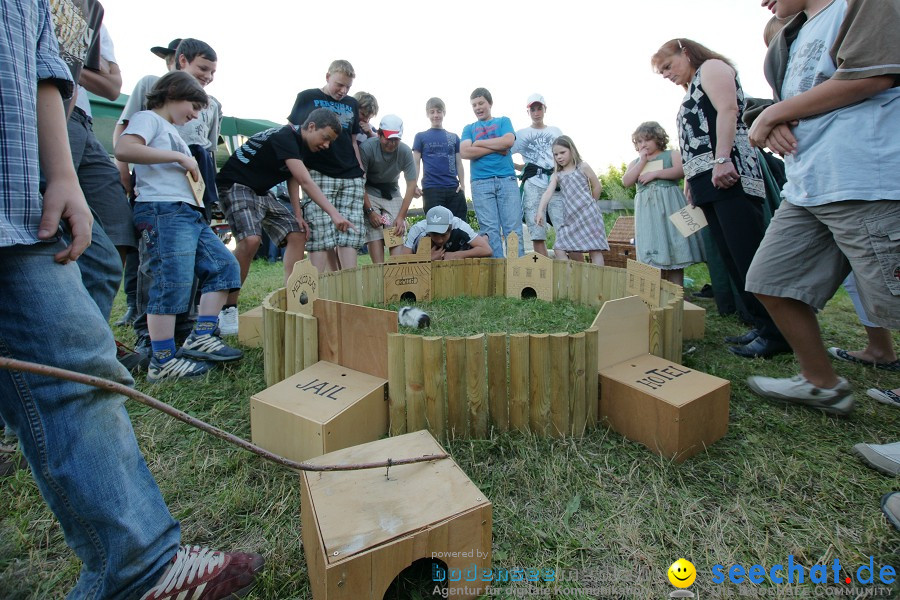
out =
column 890, row 504
column 842, row 354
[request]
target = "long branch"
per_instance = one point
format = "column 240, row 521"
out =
column 12, row 364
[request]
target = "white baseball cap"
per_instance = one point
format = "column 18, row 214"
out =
column 391, row 126
column 535, row 98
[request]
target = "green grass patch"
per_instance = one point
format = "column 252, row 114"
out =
column 462, row 316
column 781, row 482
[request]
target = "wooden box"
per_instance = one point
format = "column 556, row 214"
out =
column 621, row 244
column 361, row 528
column 671, row 409
column 323, row 408
column 250, row 328
column 693, row 326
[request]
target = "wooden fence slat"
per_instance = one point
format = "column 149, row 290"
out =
column 577, row 377
column 273, row 350
column 591, row 375
column 539, row 384
column 397, row 383
column 415, row 383
column 310, row 341
column 290, row 343
column 435, row 386
column 457, row 405
column 497, row 387
column 476, row 373
column 560, row 414
column 519, row 379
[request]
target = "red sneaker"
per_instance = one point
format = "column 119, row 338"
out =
column 200, row 573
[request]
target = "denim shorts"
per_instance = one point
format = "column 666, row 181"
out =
column 176, row 244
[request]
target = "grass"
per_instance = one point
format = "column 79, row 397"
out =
column 462, row 316
column 782, row 482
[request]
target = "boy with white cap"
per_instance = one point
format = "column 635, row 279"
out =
column 535, row 145
column 451, row 237
column 383, row 158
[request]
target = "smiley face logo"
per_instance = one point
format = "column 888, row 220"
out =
column 682, row 573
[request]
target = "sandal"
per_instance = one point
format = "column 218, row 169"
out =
column 842, row 354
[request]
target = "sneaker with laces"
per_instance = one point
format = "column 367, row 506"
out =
column 889, row 397
column 208, row 346
column 228, row 321
column 178, row 367
column 202, row 574
column 837, row 400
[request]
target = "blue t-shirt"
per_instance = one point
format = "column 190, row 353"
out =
column 494, row 164
column 438, row 148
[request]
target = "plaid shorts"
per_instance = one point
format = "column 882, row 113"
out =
column 248, row 214
column 347, row 197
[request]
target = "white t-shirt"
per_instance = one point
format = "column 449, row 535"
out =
column 832, row 146
column 163, row 182
column 536, row 147
column 108, row 53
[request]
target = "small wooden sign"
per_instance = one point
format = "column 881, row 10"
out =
column 528, row 276
column 197, row 187
column 689, row 220
column 391, row 240
column 302, row 288
column 653, row 165
column 643, row 281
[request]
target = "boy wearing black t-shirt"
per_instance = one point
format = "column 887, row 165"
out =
column 268, row 158
column 338, row 172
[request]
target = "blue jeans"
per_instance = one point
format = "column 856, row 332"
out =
column 177, row 244
column 498, row 207
column 78, row 439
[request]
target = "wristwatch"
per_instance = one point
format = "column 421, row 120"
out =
column 722, row 161
column 371, row 209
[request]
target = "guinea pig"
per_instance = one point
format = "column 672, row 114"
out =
column 410, row 316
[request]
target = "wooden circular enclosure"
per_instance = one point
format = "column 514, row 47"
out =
column 465, row 387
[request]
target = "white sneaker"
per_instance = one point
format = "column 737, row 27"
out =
column 881, row 457
column 228, row 321
column 837, row 400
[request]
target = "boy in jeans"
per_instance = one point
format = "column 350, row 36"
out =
column 487, row 143
column 443, row 175
column 834, row 71
column 535, row 145
column 176, row 242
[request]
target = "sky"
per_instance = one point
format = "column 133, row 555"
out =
column 590, row 60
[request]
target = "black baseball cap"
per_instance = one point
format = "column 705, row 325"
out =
column 166, row 51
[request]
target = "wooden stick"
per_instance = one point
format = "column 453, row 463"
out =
column 112, row 386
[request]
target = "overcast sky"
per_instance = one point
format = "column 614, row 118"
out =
column 590, row 60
